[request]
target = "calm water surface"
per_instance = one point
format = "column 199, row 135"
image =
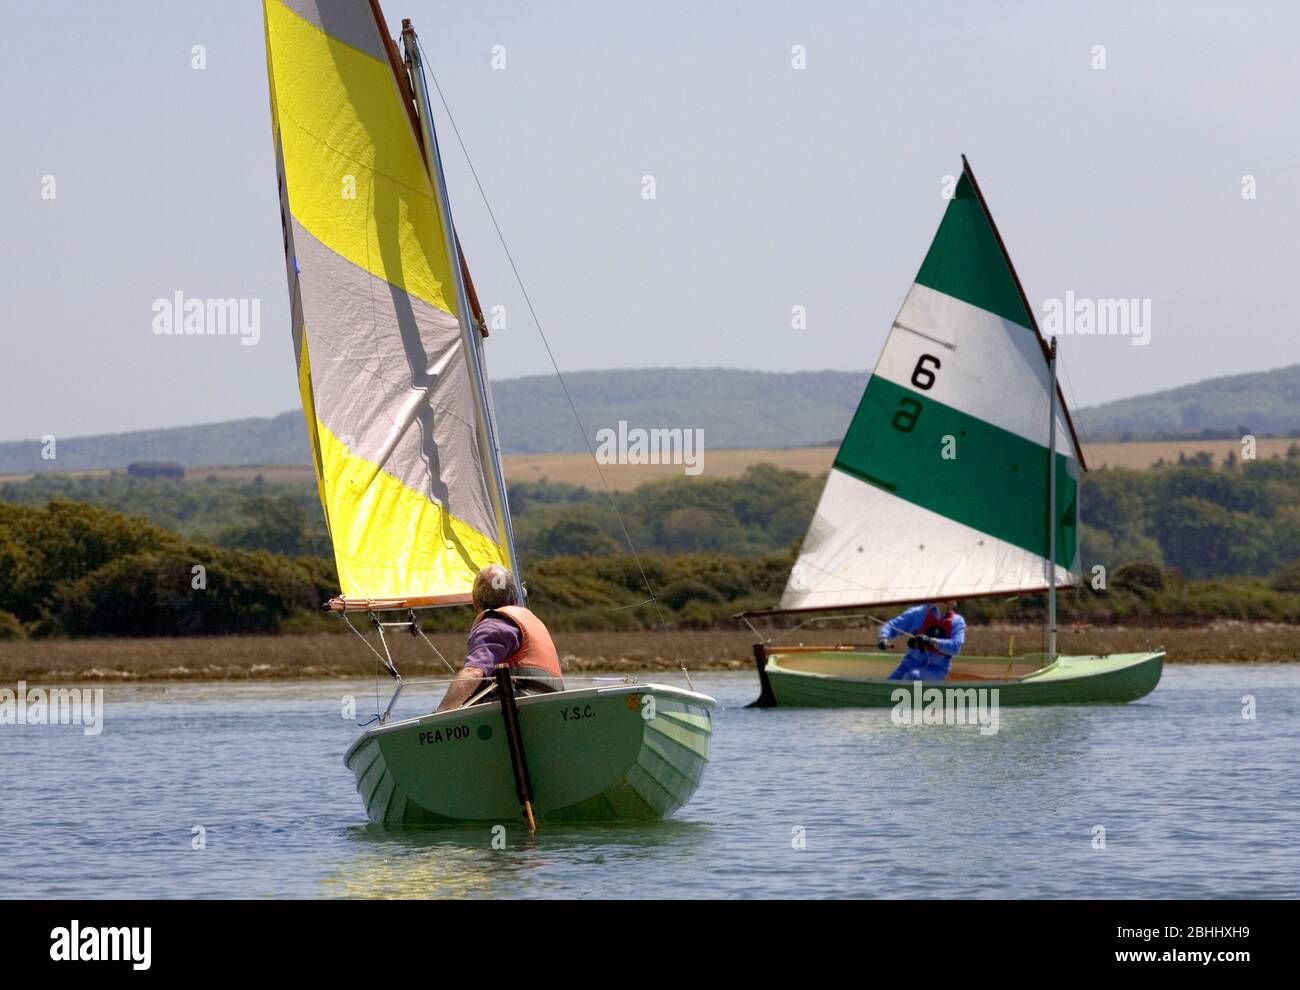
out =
column 1195, row 800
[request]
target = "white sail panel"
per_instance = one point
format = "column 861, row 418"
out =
column 1001, row 377
column 904, row 554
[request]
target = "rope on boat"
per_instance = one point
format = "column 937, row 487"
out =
column 476, row 698
column 621, row 608
column 807, row 622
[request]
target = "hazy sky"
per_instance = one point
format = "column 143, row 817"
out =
column 776, row 187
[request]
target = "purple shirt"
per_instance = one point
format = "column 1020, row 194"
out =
column 490, row 642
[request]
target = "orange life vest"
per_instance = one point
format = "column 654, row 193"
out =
column 536, row 653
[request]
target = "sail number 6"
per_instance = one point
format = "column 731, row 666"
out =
column 922, row 375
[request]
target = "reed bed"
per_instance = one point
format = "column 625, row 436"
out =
column 333, row 655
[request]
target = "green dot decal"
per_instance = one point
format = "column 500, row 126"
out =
column 485, row 732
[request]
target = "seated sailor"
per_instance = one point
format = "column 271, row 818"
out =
column 504, row 632
column 936, row 635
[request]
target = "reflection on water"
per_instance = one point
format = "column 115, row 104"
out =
column 463, row 862
column 1194, row 801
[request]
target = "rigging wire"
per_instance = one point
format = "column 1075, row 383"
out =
column 378, row 658
column 1069, row 387
column 645, row 578
column 360, row 635
column 445, row 661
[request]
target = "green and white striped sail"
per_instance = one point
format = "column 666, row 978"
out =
column 963, row 373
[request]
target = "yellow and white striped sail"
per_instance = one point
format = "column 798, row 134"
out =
column 391, row 411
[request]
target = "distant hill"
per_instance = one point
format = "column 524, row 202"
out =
column 1261, row 402
column 734, row 408
column 276, row 440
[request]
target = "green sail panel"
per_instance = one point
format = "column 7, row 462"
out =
column 995, row 482
column 941, row 485
column 965, row 260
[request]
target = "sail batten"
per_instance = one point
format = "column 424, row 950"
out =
column 940, row 487
column 382, row 367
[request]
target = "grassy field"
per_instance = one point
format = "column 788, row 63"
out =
column 1146, row 453
column 572, row 469
column 578, row 469
column 332, row 655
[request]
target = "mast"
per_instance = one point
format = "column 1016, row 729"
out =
column 489, row 445
column 1051, row 509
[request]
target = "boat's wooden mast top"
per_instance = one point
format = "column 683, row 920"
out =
column 408, row 100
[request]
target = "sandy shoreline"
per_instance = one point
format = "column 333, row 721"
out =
column 323, row 655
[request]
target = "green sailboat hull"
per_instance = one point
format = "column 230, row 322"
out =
column 835, row 679
column 629, row 752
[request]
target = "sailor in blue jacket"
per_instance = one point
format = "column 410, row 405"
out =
column 935, row 633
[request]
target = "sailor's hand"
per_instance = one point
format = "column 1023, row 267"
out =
column 913, row 642
column 882, row 643
column 926, row 642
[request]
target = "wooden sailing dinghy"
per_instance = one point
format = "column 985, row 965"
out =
column 388, row 338
column 957, row 478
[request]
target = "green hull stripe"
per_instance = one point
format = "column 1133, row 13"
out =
column 996, row 484
column 966, row 261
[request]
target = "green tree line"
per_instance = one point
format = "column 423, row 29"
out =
column 1240, row 520
column 111, row 555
